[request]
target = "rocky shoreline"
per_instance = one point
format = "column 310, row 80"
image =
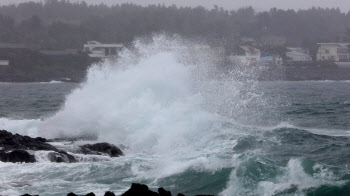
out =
column 16, row 148
column 135, row 190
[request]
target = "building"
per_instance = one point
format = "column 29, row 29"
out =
column 275, row 60
column 4, row 62
column 245, row 54
column 99, row 50
column 298, row 49
column 298, row 54
column 333, row 52
column 11, row 46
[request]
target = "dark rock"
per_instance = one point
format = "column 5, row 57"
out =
column 101, row 148
column 163, row 192
column 40, row 139
column 29, row 195
column 9, row 141
column 89, row 194
column 71, row 158
column 61, row 157
column 180, row 194
column 109, row 193
column 56, row 157
column 14, row 146
column 138, row 190
column 87, row 137
column 17, row 156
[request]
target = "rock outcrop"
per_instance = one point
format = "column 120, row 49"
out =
column 17, row 156
column 141, row 189
column 17, row 148
column 135, row 190
column 101, row 149
column 61, row 157
column 14, row 147
column 9, row 141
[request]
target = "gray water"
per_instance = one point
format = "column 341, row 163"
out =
column 306, row 153
column 183, row 128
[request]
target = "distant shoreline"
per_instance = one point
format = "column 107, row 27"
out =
column 32, row 66
column 287, row 74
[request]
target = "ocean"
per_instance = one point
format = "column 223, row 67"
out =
column 183, row 126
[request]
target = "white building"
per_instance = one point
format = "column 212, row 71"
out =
column 298, row 49
column 275, row 60
column 98, row 50
column 298, row 56
column 333, row 52
column 4, row 62
column 245, row 54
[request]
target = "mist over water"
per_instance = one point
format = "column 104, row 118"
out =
column 187, row 125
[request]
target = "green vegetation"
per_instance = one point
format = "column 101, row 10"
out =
column 61, row 24
column 31, row 66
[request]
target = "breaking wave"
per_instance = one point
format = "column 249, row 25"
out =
column 185, row 126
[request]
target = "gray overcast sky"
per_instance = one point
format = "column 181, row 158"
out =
column 344, row 5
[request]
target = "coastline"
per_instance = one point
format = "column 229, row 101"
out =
column 282, row 74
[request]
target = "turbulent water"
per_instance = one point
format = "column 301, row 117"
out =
column 185, row 126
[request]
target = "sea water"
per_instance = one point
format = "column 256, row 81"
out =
column 185, row 125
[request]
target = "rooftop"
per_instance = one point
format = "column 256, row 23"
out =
column 12, row 46
column 249, row 49
column 340, row 44
column 96, row 43
column 294, row 53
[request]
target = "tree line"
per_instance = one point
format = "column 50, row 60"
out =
column 60, row 24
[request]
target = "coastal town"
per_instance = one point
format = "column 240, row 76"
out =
column 330, row 60
column 246, row 52
column 174, row 97
column 39, row 43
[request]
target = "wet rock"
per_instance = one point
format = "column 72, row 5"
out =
column 40, row 139
column 163, row 192
column 87, row 137
column 13, row 148
column 29, row 195
column 139, row 189
column 101, row 148
column 9, row 141
column 204, row 195
column 61, row 157
column 71, row 158
column 109, row 193
column 17, row 156
column 89, row 194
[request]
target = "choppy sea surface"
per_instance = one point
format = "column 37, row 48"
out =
column 184, row 130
